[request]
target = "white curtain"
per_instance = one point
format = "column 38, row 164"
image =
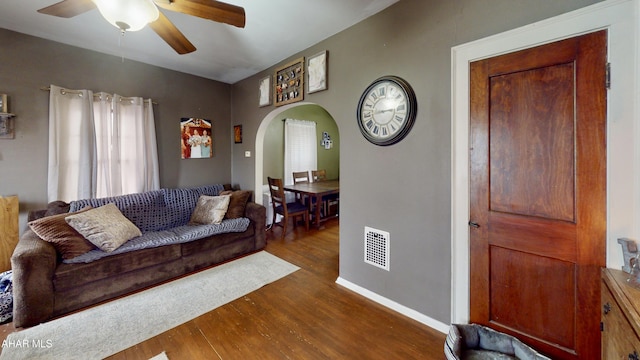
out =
column 72, row 151
column 107, row 175
column 126, row 139
column 125, row 158
column 300, row 148
column 151, row 166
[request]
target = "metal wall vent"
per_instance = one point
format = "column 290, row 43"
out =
column 376, row 247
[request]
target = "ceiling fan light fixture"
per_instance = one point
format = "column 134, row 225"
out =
column 128, row 15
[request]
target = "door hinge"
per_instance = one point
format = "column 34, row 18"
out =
column 607, row 81
column 601, row 326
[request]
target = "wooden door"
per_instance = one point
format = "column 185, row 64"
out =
column 538, row 194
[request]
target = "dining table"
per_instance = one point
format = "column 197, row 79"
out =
column 315, row 190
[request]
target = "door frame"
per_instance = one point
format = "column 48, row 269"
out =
column 258, row 179
column 620, row 17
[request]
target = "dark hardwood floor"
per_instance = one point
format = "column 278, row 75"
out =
column 305, row 315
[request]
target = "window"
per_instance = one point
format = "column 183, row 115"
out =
column 300, row 149
column 100, row 145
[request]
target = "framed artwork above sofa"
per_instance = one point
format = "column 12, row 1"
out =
column 196, row 138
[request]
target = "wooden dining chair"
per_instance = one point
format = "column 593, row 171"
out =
column 333, row 199
column 284, row 209
column 302, row 177
column 319, row 175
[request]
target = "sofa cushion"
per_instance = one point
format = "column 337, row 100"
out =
column 69, row 276
column 237, row 204
column 54, row 229
column 188, row 233
column 145, row 209
column 194, row 248
column 178, row 235
column 210, row 209
column 105, row 227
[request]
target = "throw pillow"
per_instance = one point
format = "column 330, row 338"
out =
column 210, row 209
column 237, row 204
column 105, row 227
column 54, row 229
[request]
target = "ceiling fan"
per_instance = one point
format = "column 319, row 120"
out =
column 206, row 9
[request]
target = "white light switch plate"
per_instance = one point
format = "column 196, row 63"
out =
column 247, row 154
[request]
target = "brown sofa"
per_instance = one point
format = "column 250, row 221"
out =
column 44, row 286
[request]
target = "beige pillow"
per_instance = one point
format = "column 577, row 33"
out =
column 237, row 204
column 210, row 209
column 105, row 227
column 54, row 229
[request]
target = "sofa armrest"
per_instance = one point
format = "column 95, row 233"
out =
column 33, row 262
column 36, row 214
column 53, row 208
column 258, row 216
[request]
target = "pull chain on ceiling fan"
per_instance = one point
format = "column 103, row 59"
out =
column 130, row 15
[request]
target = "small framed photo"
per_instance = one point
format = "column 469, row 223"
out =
column 317, row 72
column 264, row 89
column 6, row 127
column 3, row 103
column 237, row 134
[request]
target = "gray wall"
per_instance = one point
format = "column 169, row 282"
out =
column 405, row 188
column 29, row 63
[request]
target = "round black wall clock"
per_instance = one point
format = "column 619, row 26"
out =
column 387, row 110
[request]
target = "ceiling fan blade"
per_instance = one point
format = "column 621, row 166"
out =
column 207, row 9
column 170, row 33
column 68, row 8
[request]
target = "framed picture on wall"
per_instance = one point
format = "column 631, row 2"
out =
column 7, row 130
column 264, row 87
column 196, row 138
column 3, row 103
column 237, row 134
column 317, row 72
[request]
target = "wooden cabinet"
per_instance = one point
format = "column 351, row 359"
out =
column 8, row 230
column 620, row 316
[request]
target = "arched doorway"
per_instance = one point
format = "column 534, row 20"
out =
column 313, row 112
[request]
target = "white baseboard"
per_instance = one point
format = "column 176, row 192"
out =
column 432, row 323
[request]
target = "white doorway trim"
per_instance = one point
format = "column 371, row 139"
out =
column 620, row 17
column 259, row 150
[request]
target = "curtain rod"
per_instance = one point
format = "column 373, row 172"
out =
column 63, row 90
column 283, row 120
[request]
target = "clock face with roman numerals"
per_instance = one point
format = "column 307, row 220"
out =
column 387, row 110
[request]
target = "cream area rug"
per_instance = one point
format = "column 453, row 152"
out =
column 161, row 356
column 104, row 330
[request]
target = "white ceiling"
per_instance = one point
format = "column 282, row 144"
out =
column 275, row 30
